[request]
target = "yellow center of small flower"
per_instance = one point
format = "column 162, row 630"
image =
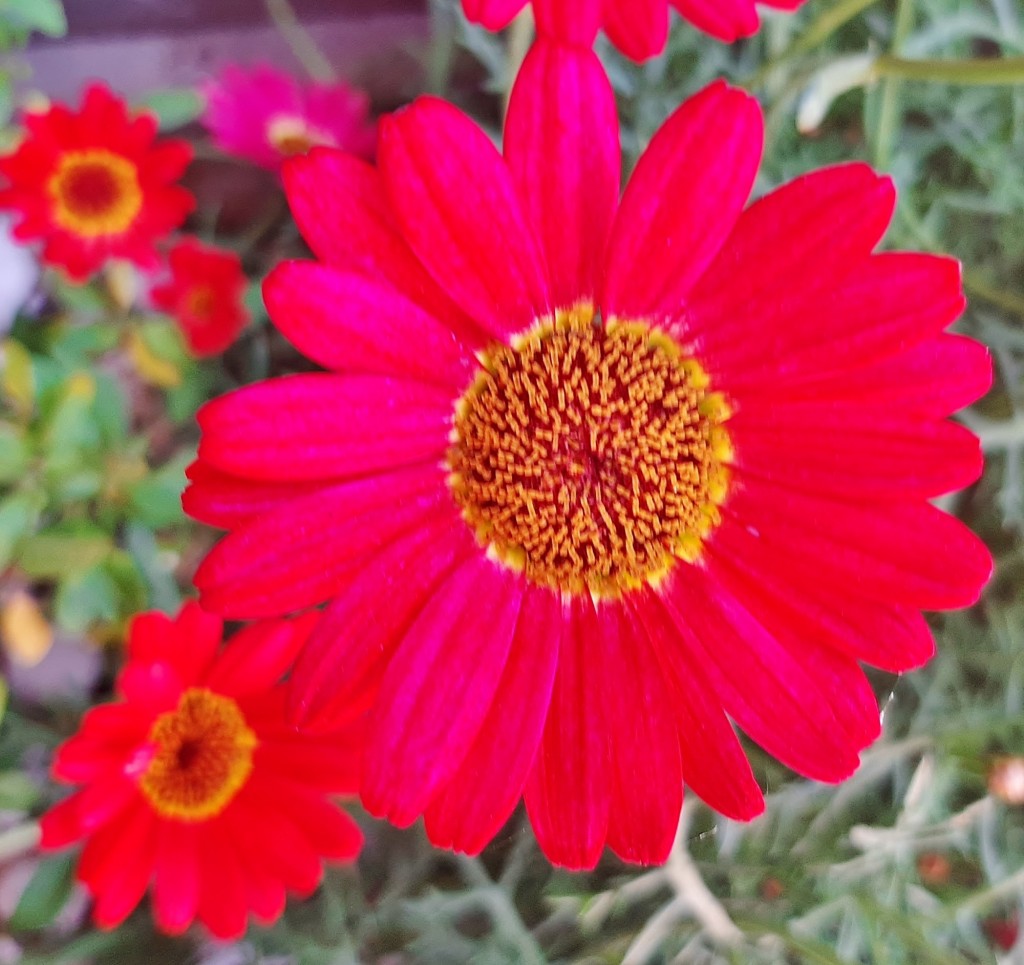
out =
column 590, row 457
column 292, row 135
column 201, row 302
column 95, row 192
column 203, row 757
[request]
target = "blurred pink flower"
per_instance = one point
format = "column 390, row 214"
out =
column 266, row 116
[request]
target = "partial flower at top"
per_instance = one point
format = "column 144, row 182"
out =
column 590, row 478
column 204, row 294
column 196, row 786
column 96, row 184
column 266, row 116
column 639, row 28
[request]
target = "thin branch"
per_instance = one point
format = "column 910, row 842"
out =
column 301, row 42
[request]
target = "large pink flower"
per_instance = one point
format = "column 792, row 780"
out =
column 588, row 476
column 267, row 116
column 639, row 28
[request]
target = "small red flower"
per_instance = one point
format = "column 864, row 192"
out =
column 639, row 28
column 195, row 783
column 204, row 295
column 95, row 185
column 267, row 116
column 589, row 478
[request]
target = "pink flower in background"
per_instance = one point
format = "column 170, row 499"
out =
column 639, row 28
column 266, row 116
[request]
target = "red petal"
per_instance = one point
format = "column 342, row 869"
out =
column 785, row 247
column 569, row 790
column 682, row 201
column 493, row 14
column 644, row 751
column 318, row 426
column 568, row 23
column 176, row 885
column 908, row 554
column 772, row 697
column 489, row 782
column 259, row 656
column 343, row 213
column 306, row 551
column 223, row 896
column 420, row 731
column 454, row 198
column 350, row 323
column 125, row 874
column 339, row 670
column 562, row 147
column 726, row 20
column 838, row 450
column 639, row 30
column 714, row 764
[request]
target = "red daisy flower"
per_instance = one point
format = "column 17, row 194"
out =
column 96, row 184
column 589, row 477
column 639, row 28
column 267, row 116
column 196, row 784
column 205, row 295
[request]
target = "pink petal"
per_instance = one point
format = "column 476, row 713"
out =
column 225, row 501
column 455, row 201
column 318, row 426
column 306, row 551
column 639, row 30
column 785, row 247
column 714, row 764
column 484, row 791
column 841, row 451
column 562, row 147
column 894, row 638
column 339, row 671
column 726, row 20
column 681, row 202
column 176, row 884
column 569, row 790
column 349, row 323
column 644, row 750
column 342, row 210
column 492, row 14
column 438, row 688
column 772, row 697
column 907, row 554
column 890, row 303
column 573, row 23
column 934, row 378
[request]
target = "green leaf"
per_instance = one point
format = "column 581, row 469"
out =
column 46, row 894
column 174, row 107
column 43, row 16
column 157, row 498
column 14, row 453
column 19, row 514
column 85, row 599
column 59, row 555
column 17, row 791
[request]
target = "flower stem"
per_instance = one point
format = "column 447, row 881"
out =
column 301, row 42
column 976, row 71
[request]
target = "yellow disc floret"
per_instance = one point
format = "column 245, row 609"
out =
column 202, row 759
column 591, row 456
column 95, row 192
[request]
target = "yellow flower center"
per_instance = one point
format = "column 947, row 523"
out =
column 95, row 192
column 201, row 303
column 203, row 757
column 292, row 135
column 590, row 457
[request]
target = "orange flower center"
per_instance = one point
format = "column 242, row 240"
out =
column 95, row 192
column 203, row 757
column 201, row 302
column 292, row 135
column 590, row 457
